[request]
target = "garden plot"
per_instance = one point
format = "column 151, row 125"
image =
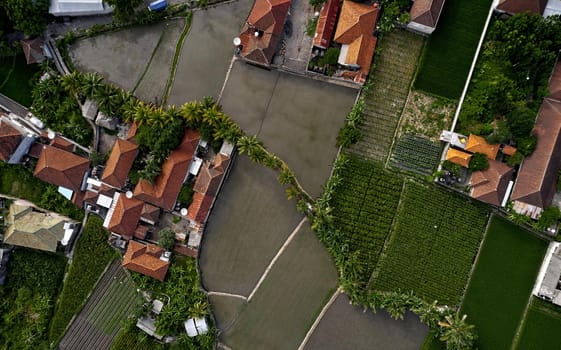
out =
column 364, row 208
column 207, row 51
column 289, row 299
column 298, row 119
column 451, row 48
column 111, row 302
column 433, row 244
column 120, row 57
column 347, row 327
column 416, row 154
column 396, row 61
column 153, row 82
column 249, row 223
column 542, row 326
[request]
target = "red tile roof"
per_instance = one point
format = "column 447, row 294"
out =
column 185, row 250
column 10, row 138
column 35, row 150
column 141, row 232
column 119, row 163
column 125, row 216
column 356, row 30
column 519, row 6
column 61, row 168
column 150, row 213
column 145, row 259
column 509, row 150
column 426, row 12
column 132, row 132
column 163, row 193
column 221, row 162
column 199, row 207
column 63, row 144
column 537, row 178
column 208, row 180
column 267, row 17
column 326, row 24
column 490, row 185
column 33, row 50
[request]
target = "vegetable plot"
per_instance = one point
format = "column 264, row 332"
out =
column 435, row 240
column 364, row 207
column 415, row 153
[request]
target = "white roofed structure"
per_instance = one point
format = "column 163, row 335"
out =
column 79, row 8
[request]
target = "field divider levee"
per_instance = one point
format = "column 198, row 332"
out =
column 224, row 294
column 319, row 318
column 279, row 253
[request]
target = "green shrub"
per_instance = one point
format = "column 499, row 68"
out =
column 478, row 161
column 92, row 255
column 185, row 196
column 311, row 26
column 167, row 239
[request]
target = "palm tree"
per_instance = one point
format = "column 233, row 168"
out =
column 286, row 176
column 71, row 83
column 192, row 113
column 394, row 305
column 198, row 309
column 212, row 114
column 252, row 146
column 141, row 113
column 457, row 333
column 92, row 83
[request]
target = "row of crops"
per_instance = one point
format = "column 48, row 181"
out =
column 364, row 209
column 396, row 61
column 435, row 240
column 416, row 154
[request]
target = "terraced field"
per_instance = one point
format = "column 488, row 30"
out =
column 396, row 62
column 111, row 302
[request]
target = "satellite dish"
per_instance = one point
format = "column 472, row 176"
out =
column 316, row 14
column 128, row 194
column 256, row 33
column 51, row 134
column 237, row 41
column 184, row 211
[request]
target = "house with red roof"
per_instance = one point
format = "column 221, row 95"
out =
column 124, row 215
column 355, row 33
column 490, row 185
column 326, row 24
column 10, row 138
column 262, row 31
column 147, row 259
column 33, row 49
column 62, row 168
column 119, row 164
column 513, row 7
column 165, row 189
column 424, row 15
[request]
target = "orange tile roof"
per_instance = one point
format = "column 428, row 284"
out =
column 490, row 185
column 477, row 144
column 199, row 207
column 519, row 6
column 10, row 138
column 141, row 232
column 132, row 132
column 509, row 150
column 145, row 259
column 63, row 144
column 163, row 193
column 125, row 216
column 326, row 24
column 119, row 163
column 221, row 162
column 267, row 16
column 426, row 12
column 61, row 168
column 356, row 29
column 458, row 157
column 536, row 181
column 150, row 213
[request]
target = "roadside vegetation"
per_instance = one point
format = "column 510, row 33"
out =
column 27, row 299
column 450, row 49
column 18, row 181
column 92, row 255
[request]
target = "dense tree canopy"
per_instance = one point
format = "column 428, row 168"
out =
column 123, row 9
column 28, row 16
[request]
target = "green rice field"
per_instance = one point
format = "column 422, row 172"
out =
column 542, row 327
column 15, row 76
column 449, row 52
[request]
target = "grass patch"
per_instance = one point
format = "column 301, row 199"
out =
column 26, row 301
column 501, row 283
column 15, row 78
column 91, row 257
column 449, row 52
column 542, row 326
column 432, row 247
column 364, row 208
column 17, row 181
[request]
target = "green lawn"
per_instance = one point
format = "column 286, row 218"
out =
column 15, row 76
column 542, row 327
column 431, row 249
column 449, row 52
column 501, row 284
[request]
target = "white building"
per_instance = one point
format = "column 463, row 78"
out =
column 79, row 8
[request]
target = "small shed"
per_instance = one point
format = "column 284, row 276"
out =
column 196, row 326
